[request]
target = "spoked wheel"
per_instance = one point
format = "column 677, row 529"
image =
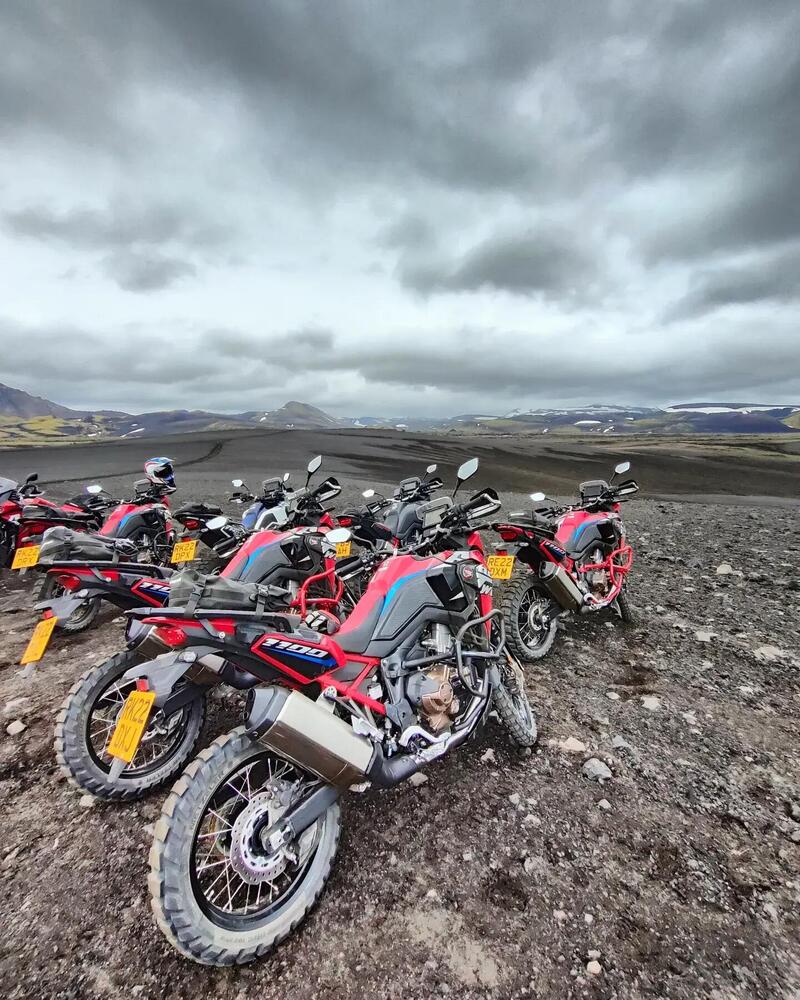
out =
column 223, row 893
column 624, row 608
column 88, row 717
column 81, row 618
column 530, row 630
column 512, row 705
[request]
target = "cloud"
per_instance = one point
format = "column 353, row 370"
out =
column 146, row 272
column 407, row 205
column 548, row 262
column 117, row 226
column 774, row 278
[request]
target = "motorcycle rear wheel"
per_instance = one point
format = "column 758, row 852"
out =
column 81, row 618
column 522, row 603
column 87, row 717
column 209, row 831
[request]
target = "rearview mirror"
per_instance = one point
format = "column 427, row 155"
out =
column 467, row 470
column 538, row 497
column 286, row 477
column 216, row 523
column 33, row 478
column 431, row 469
column 237, row 483
column 622, row 467
column 338, row 536
column 368, row 493
column 314, row 464
column 94, row 489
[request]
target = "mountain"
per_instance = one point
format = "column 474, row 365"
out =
column 26, row 419
column 21, row 404
column 297, row 415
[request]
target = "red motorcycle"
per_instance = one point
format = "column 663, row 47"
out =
column 248, row 836
column 579, row 559
column 290, row 570
column 25, row 515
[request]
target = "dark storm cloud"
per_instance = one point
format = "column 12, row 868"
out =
column 536, row 261
column 146, row 272
column 117, row 226
column 772, row 279
column 549, row 152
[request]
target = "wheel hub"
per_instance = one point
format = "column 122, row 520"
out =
column 249, row 858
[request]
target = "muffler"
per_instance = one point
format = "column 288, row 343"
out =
column 307, row 734
column 561, row 587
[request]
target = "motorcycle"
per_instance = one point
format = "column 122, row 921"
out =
column 579, row 559
column 277, row 504
column 25, row 514
column 247, row 838
column 286, row 569
column 145, row 521
column 82, row 571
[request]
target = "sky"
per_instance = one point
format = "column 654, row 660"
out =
column 399, row 208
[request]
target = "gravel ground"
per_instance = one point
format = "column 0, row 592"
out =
column 500, row 876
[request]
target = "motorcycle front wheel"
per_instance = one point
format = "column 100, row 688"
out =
column 510, row 701
column 219, row 894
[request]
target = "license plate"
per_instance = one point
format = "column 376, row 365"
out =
column 184, row 551
column 131, row 724
column 500, row 567
column 26, row 556
column 34, row 651
column 343, row 550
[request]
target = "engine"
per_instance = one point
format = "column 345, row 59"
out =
column 431, row 691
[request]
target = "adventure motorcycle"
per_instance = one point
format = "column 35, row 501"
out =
column 578, row 556
column 247, row 838
column 25, row 514
column 286, row 569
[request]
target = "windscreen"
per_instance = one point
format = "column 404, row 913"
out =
column 7, row 487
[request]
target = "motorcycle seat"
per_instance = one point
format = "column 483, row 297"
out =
column 538, row 522
column 34, row 512
column 198, row 509
column 356, row 633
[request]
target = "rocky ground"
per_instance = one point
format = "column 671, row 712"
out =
column 500, row 876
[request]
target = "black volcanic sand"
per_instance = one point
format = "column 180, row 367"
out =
column 696, row 466
column 501, row 874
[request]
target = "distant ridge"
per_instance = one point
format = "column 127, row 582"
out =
column 28, row 419
column 18, row 403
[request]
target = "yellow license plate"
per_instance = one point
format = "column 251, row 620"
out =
column 131, row 724
column 343, row 550
column 34, row 651
column 500, row 567
column 26, row 556
column 184, row 551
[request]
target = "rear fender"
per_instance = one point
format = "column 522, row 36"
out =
column 60, row 607
column 164, row 672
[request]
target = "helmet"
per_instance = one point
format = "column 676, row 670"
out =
column 159, row 471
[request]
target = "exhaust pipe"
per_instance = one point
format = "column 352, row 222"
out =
column 562, row 588
column 318, row 741
column 307, row 734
